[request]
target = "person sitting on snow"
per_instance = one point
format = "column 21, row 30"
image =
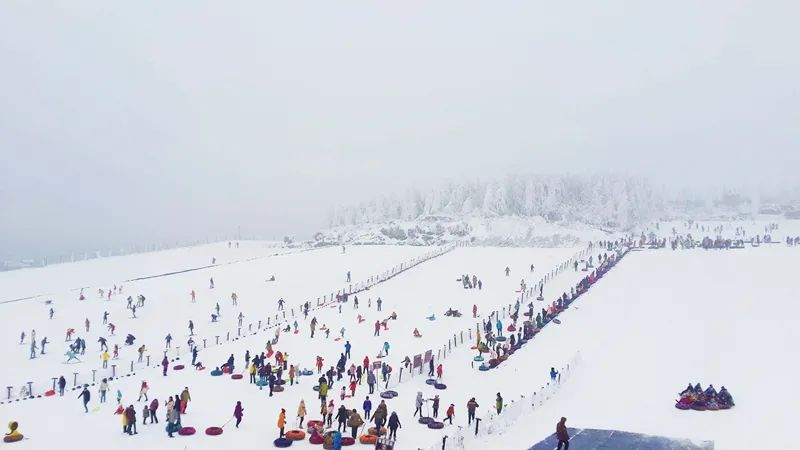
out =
column 710, row 392
column 417, row 333
column 724, row 397
column 689, row 390
column 698, row 390
column 393, row 316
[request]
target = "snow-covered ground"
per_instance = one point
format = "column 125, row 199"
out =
column 657, row 321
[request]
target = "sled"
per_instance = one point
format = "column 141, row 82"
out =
column 296, row 331
column 557, row 321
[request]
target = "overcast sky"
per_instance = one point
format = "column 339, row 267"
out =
column 134, row 122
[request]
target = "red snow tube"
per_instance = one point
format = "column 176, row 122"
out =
column 282, row 442
column 177, row 367
column 683, row 406
column 213, row 431
column 511, row 328
column 237, row 376
column 15, row 438
column 296, row 435
column 436, row 425
column 347, row 441
column 50, row 393
column 226, row 369
column 186, row 431
column 316, row 439
column 368, row 439
column 315, row 424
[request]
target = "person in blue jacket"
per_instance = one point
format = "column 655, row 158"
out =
column 499, row 326
column 337, row 440
column 386, row 348
column 553, row 373
column 347, row 348
column 367, row 408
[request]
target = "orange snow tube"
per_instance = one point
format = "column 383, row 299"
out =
column 368, row 439
column 296, row 435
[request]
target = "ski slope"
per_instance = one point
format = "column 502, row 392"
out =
column 657, row 321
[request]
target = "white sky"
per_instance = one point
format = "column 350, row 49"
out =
column 145, row 121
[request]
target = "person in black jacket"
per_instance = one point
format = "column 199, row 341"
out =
column 86, row 396
column 394, row 423
column 342, row 417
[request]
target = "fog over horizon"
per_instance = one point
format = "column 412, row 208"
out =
column 125, row 124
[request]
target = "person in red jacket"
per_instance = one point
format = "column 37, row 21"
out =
column 439, row 371
column 474, row 311
column 451, row 411
column 366, row 363
column 562, row 435
column 377, row 328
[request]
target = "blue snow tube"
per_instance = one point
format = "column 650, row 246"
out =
column 478, row 358
column 500, row 339
column 392, row 393
column 436, row 425
column 387, row 395
column 483, row 368
column 316, row 388
column 280, row 382
column 261, row 383
column 430, row 381
column 440, row 386
column 282, row 442
column 216, row 373
column 425, row 420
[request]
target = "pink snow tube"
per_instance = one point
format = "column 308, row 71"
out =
column 177, row 367
column 186, row 431
column 236, row 376
column 213, row 431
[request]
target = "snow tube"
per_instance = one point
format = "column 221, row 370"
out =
column 502, row 359
column 699, row 406
column 430, row 381
column 277, row 388
column 500, row 339
column 213, row 431
column 557, row 321
column 436, row 425
column 347, row 441
column 425, row 420
column 683, row 406
column 725, row 406
column 392, row 393
column 483, row 368
column 368, row 439
column 14, row 438
column 216, row 373
column 316, row 439
column 237, row 376
column 315, row 424
column 226, row 369
column 177, row 367
column 261, row 383
column 50, row 393
column 511, row 328
column 316, row 388
column 372, row 431
column 306, row 372
column 386, row 395
column 186, row 431
column 440, row 386
column 493, row 362
column 712, row 407
column 478, row 358
column 280, row 382
column 296, row 435
column 282, row 442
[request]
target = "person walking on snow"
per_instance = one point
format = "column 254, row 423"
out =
column 553, row 374
column 354, row 422
column 418, row 403
column 301, row 412
column 386, row 348
column 85, row 396
column 282, row 421
column 377, row 328
column 451, row 411
column 153, row 410
column 193, row 296
column 562, row 435
column 143, row 391
column 472, row 405
column 499, row 403
column 168, row 340
column 185, row 399
column 347, row 348
column 474, row 311
column 165, row 364
column 394, row 423
column 499, row 326
column 238, row 412
column 367, row 408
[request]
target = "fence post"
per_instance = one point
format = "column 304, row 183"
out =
column 74, row 379
column 113, row 370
